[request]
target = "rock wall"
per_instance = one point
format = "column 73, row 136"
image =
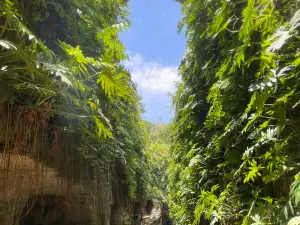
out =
column 159, row 214
column 42, row 168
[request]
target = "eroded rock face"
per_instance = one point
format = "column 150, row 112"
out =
column 53, row 210
column 43, row 185
column 120, row 215
column 159, row 213
column 154, row 217
column 149, row 206
column 25, row 180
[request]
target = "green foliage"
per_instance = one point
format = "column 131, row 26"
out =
column 236, row 120
column 158, row 158
column 66, row 55
column 253, row 172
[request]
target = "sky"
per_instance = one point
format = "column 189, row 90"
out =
column 155, row 49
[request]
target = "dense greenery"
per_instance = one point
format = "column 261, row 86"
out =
column 234, row 149
column 157, row 153
column 60, row 61
column 235, row 152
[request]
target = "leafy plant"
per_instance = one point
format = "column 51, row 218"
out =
column 235, row 112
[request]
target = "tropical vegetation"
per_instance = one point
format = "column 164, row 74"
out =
column 235, row 148
column 157, row 155
column 61, row 72
column 230, row 156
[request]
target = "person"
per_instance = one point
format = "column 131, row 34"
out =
column 137, row 214
column 136, row 220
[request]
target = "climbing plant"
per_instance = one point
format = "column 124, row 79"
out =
column 62, row 59
column 236, row 140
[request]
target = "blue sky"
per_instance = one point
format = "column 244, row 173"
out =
column 155, row 49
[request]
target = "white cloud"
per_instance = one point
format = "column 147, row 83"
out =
column 152, row 77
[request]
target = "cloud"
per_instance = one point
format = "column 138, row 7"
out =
column 152, row 77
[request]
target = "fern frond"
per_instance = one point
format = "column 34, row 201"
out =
column 7, row 45
column 114, row 84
